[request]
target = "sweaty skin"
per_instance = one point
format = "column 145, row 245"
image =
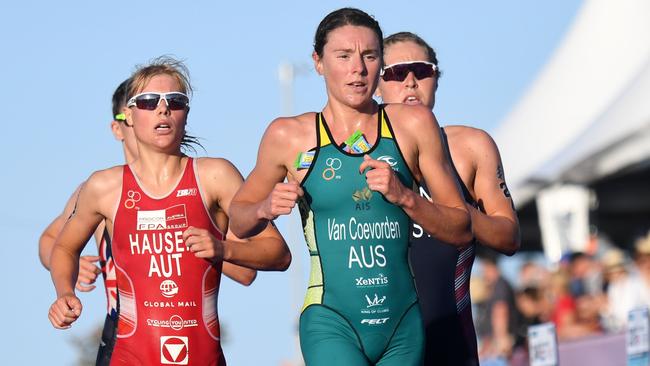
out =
column 442, row 272
column 473, row 152
column 88, row 270
column 208, row 187
column 346, row 66
column 335, row 326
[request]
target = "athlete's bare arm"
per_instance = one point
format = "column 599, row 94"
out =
column 204, row 245
column 95, row 202
column 88, row 270
column 264, row 195
column 495, row 225
column 242, row 275
column 266, row 250
column 49, row 235
column 446, row 216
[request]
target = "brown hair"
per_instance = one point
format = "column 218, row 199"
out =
column 340, row 18
column 119, row 97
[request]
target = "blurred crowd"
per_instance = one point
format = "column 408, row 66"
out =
column 584, row 295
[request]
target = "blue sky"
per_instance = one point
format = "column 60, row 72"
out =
column 62, row 60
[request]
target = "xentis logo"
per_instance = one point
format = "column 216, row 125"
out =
column 174, row 217
column 174, row 350
column 378, row 281
column 361, row 198
column 333, row 165
column 390, row 160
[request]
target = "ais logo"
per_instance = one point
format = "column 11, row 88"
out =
column 361, row 198
column 174, row 350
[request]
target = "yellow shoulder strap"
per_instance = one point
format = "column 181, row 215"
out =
column 322, row 133
column 385, row 131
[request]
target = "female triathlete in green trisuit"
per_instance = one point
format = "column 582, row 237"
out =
column 356, row 202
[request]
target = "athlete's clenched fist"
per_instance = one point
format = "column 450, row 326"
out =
column 64, row 311
column 381, row 178
column 203, row 244
column 281, row 200
column 88, row 272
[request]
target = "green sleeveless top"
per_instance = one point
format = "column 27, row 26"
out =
column 358, row 241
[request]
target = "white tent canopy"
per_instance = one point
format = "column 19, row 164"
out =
column 588, row 112
column 620, row 137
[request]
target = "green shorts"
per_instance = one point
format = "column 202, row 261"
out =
column 328, row 338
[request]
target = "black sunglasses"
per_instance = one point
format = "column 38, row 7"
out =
column 399, row 71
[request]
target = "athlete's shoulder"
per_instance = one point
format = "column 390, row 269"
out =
column 216, row 167
column 410, row 116
column 471, row 136
column 464, row 131
column 472, row 143
column 104, row 180
column 289, row 134
column 219, row 179
column 290, row 125
column 412, row 120
column 101, row 189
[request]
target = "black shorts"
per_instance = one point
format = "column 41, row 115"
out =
column 107, row 343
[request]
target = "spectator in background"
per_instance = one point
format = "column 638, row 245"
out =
column 563, row 306
column 586, row 284
column 588, row 310
column 500, row 319
column 627, row 288
column 574, row 317
column 622, row 290
column 642, row 262
column 585, row 272
column 532, row 274
column 531, row 304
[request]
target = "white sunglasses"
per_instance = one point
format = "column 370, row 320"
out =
column 150, row 100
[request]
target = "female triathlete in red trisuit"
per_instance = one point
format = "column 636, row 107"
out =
column 167, row 215
column 88, row 271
